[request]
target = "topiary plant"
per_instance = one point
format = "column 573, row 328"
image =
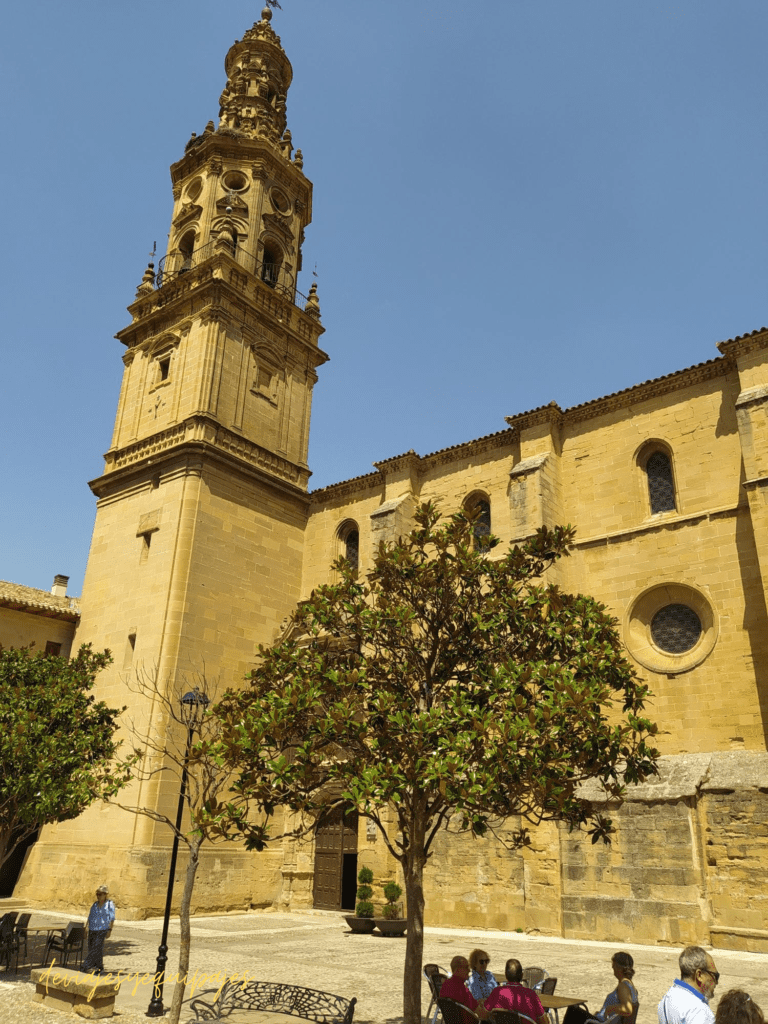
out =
column 393, row 892
column 364, row 906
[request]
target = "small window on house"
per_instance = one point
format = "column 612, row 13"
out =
column 164, row 367
column 661, row 486
column 51, row 647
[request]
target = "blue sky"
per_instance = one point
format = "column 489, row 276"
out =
column 514, row 202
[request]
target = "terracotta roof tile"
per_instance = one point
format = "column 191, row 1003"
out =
column 20, row 598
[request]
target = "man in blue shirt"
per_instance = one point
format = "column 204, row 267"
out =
column 687, row 1002
column 100, row 921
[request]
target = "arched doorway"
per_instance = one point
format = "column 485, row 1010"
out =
column 335, row 881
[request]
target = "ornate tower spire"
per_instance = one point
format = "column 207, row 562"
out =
column 258, row 76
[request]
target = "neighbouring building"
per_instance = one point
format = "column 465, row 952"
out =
column 47, row 620
column 206, row 537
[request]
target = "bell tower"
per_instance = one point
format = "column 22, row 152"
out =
column 197, row 548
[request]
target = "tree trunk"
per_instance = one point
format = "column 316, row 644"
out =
column 185, row 938
column 413, row 871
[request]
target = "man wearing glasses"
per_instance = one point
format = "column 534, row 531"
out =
column 687, row 1002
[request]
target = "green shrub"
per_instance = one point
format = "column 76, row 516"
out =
column 364, row 892
column 392, row 911
column 364, row 909
column 393, row 892
column 365, row 876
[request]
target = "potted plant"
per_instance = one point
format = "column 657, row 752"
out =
column 362, row 920
column 392, row 922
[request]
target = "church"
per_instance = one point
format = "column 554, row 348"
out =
column 206, row 537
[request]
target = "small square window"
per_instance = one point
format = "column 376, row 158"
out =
column 164, row 368
column 51, row 647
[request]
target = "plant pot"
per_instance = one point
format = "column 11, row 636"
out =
column 394, row 927
column 361, row 925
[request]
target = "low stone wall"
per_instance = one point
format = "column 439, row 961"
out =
column 83, row 994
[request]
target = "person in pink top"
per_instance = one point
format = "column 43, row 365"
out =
column 455, row 987
column 514, row 995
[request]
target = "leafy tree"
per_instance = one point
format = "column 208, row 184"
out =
column 454, row 686
column 57, row 742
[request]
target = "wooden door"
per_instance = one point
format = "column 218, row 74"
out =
column 335, row 844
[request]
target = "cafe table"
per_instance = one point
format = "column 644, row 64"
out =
column 560, row 1003
column 49, row 930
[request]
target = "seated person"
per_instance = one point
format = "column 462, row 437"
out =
column 514, row 995
column 481, row 981
column 622, row 1000
column 455, row 987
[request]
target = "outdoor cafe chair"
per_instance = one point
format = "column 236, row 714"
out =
column 20, row 931
column 456, row 1013
column 504, row 1016
column 509, row 1017
column 69, row 944
column 8, row 941
column 616, row 1018
column 435, row 976
column 533, row 977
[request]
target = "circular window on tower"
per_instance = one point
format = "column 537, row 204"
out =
column 235, row 181
column 194, row 188
column 670, row 628
column 280, row 200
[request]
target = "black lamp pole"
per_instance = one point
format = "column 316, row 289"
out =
column 190, row 704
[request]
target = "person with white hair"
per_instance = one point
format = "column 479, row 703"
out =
column 687, row 1002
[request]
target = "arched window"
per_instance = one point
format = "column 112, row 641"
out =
column 270, row 265
column 186, row 248
column 479, row 506
column 352, row 549
column 349, row 535
column 661, row 484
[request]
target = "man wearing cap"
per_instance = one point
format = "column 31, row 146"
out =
column 100, row 921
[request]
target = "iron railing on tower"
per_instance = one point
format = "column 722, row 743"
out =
column 273, row 274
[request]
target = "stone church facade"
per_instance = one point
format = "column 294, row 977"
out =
column 206, row 536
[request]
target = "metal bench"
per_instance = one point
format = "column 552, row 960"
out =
column 270, row 997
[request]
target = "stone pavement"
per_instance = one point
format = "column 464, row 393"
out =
column 316, row 949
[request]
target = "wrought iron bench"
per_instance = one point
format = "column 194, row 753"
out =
column 270, row 997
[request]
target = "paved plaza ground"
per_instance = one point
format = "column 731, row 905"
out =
column 316, row 949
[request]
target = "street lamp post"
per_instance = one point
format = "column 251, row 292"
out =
column 193, row 704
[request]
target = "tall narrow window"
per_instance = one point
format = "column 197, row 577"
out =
column 479, row 507
column 270, row 266
column 661, row 486
column 186, row 248
column 352, row 549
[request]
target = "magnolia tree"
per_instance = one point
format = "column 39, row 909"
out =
column 57, row 742
column 454, row 684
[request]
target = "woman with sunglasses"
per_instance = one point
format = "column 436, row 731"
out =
column 481, row 982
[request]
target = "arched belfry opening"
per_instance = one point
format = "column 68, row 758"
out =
column 335, row 883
